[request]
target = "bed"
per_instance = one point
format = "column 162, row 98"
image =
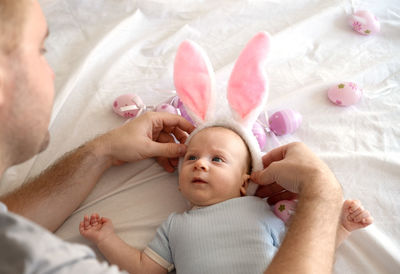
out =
column 100, row 49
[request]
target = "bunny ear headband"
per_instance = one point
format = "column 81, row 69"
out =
column 245, row 97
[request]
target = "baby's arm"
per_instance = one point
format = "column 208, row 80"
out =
column 101, row 232
column 353, row 217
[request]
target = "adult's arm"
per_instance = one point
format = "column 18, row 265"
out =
column 50, row 198
column 309, row 245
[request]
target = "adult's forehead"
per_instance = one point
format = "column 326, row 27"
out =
column 35, row 22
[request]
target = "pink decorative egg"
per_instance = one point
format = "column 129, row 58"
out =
column 176, row 102
column 166, row 108
column 127, row 101
column 345, row 94
column 259, row 133
column 365, row 23
column 285, row 209
column 284, row 121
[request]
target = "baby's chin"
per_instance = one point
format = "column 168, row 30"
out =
column 204, row 203
column 200, row 203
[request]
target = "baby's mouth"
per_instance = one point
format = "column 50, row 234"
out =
column 197, row 180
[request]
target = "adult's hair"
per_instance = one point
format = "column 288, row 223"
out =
column 12, row 19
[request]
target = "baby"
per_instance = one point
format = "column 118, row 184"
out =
column 224, row 231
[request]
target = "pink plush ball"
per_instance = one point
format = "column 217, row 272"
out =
column 259, row 133
column 285, row 209
column 285, row 121
column 365, row 23
column 124, row 101
column 166, row 108
column 345, row 94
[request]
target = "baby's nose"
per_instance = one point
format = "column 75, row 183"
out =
column 201, row 164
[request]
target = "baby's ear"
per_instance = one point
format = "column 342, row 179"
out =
column 245, row 184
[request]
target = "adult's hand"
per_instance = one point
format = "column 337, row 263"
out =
column 309, row 245
column 287, row 170
column 148, row 135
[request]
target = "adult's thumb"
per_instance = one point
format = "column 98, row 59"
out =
column 263, row 177
column 168, row 150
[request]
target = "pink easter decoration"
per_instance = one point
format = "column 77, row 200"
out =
column 345, row 94
column 177, row 103
column 166, row 108
column 192, row 77
column 285, row 121
column 127, row 105
column 259, row 133
column 285, row 209
column 249, row 74
column 365, row 23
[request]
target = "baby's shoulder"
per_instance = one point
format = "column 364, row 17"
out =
column 253, row 203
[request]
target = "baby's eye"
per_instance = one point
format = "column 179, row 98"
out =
column 217, row 159
column 191, row 157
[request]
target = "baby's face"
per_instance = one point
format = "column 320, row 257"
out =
column 214, row 168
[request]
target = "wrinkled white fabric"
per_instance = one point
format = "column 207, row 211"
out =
column 101, row 49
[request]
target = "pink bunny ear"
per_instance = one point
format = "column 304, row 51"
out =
column 247, row 87
column 193, row 77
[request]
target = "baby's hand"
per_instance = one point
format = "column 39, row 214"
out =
column 354, row 216
column 96, row 229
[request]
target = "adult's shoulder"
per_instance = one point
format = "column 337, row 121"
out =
column 27, row 247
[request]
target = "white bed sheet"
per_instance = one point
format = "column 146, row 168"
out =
column 101, row 49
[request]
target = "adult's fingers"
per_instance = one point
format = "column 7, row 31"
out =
column 266, row 176
column 174, row 161
column 277, row 154
column 180, row 135
column 168, row 150
column 270, row 160
column 269, row 190
column 165, row 136
column 165, row 164
column 284, row 195
column 169, row 164
column 168, row 120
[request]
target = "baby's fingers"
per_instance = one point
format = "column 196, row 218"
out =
column 368, row 220
column 357, row 218
column 94, row 219
column 81, row 226
column 362, row 216
column 353, row 205
column 105, row 220
column 86, row 222
column 354, row 212
column 82, row 229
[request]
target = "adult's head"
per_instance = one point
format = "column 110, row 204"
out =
column 26, row 82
